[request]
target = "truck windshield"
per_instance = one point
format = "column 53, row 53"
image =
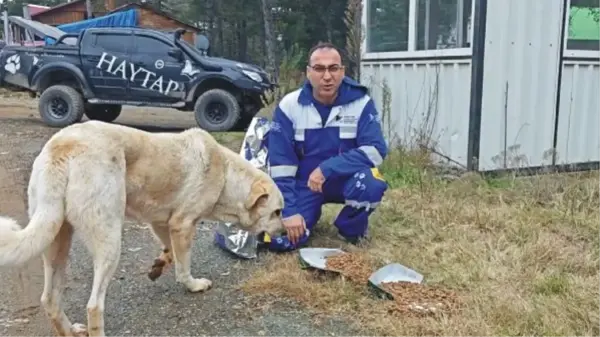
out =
column 189, row 48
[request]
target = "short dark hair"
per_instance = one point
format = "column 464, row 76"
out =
column 325, row 45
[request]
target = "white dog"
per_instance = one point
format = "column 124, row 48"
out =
column 90, row 176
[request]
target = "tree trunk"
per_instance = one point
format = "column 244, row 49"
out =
column 354, row 36
column 88, row 9
column 269, row 39
column 243, row 41
column 220, row 45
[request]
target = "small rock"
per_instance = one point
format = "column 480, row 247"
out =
column 133, row 250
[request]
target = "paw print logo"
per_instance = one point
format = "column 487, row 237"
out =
column 13, row 64
column 375, row 117
column 275, row 127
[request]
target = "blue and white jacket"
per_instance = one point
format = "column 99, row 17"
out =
column 350, row 139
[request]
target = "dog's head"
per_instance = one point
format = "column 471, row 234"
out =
column 264, row 204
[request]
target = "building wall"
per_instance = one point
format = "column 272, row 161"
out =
column 150, row 19
column 429, row 86
column 522, row 54
column 539, row 102
column 428, row 98
column 71, row 13
column 579, row 113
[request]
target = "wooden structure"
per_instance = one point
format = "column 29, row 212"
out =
column 148, row 16
column 18, row 35
column 151, row 17
column 64, row 13
column 33, row 9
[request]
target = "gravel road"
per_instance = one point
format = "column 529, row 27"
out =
column 134, row 305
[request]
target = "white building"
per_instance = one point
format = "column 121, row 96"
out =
column 493, row 84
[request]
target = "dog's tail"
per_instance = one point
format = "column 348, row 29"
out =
column 18, row 245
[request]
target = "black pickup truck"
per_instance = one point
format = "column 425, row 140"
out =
column 98, row 70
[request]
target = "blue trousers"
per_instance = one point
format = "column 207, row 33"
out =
column 360, row 193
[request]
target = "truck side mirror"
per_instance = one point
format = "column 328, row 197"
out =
column 176, row 53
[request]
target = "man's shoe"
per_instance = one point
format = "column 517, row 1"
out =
column 281, row 243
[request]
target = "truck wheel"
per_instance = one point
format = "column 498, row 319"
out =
column 217, row 110
column 102, row 112
column 60, row 106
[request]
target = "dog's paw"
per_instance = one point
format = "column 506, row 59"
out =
column 196, row 285
column 79, row 330
column 161, row 265
column 157, row 269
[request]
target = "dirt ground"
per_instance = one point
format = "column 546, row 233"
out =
column 134, row 305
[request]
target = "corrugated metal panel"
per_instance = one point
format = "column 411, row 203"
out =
column 428, row 98
column 520, row 83
column 579, row 114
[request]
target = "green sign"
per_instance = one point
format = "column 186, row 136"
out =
column 583, row 23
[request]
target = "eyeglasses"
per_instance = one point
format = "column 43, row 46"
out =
column 321, row 69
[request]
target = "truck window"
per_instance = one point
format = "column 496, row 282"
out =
column 111, row 42
column 152, row 46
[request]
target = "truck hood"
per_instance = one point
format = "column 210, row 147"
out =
column 41, row 29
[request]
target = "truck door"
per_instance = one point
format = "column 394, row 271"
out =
column 160, row 77
column 105, row 58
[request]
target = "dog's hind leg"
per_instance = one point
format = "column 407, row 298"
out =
column 98, row 214
column 182, row 235
column 55, row 263
column 106, row 252
column 163, row 262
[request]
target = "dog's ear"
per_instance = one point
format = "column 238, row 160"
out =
column 259, row 194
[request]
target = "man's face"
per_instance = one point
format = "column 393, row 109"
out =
column 325, row 72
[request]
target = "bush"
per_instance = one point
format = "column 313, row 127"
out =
column 290, row 78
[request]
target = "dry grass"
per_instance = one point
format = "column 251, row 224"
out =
column 523, row 254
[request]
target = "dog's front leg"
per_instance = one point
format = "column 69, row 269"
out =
column 163, row 262
column 182, row 235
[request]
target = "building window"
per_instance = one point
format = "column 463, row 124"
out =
column 583, row 27
column 443, row 24
column 387, row 25
column 418, row 25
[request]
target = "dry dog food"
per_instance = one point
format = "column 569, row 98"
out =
column 352, row 266
column 413, row 298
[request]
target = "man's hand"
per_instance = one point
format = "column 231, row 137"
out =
column 295, row 227
column 316, row 180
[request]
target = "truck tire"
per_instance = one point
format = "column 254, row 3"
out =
column 217, row 110
column 102, row 112
column 60, row 106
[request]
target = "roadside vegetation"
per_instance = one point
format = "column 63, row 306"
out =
column 521, row 252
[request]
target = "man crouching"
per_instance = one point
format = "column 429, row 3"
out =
column 325, row 144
